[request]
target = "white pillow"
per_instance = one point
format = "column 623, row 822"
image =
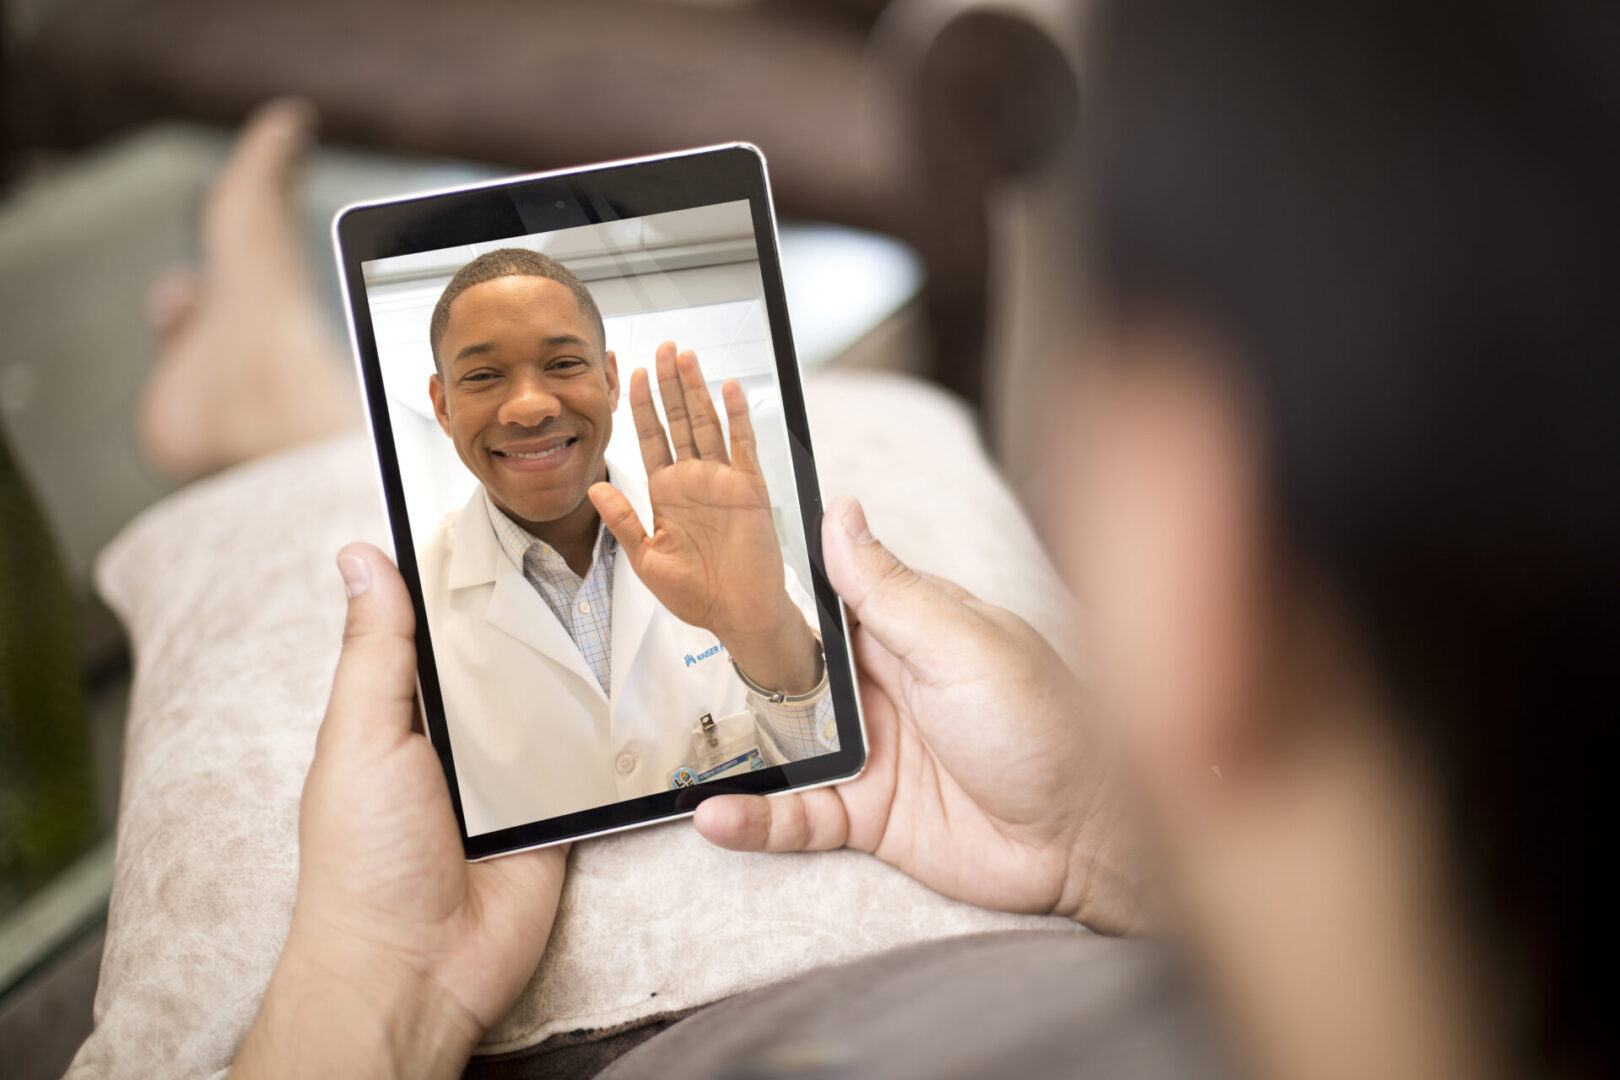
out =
column 230, row 596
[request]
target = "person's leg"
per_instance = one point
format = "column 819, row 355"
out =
column 248, row 363
column 1033, row 1003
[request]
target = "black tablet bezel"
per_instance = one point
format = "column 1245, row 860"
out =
column 523, row 206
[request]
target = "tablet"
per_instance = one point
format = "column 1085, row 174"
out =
column 592, row 443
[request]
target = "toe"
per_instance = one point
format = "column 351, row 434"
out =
column 251, row 204
column 274, row 139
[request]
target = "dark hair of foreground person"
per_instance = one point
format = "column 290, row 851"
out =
column 1403, row 217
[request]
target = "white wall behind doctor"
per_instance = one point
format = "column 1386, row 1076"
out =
column 691, row 277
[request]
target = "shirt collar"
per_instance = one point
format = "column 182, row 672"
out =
column 520, row 545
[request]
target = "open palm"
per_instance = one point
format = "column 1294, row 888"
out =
column 713, row 558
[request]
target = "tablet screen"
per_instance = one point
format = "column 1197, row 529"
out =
column 588, row 418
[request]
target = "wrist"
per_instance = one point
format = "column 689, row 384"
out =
column 1106, row 895
column 337, row 1007
column 1105, row 888
column 786, row 658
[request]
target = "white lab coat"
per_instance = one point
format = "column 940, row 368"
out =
column 531, row 732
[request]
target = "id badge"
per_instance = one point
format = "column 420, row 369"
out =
column 720, row 748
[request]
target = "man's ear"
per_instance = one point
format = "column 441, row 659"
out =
column 610, row 369
column 441, row 410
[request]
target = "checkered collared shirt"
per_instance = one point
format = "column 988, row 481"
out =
column 584, row 607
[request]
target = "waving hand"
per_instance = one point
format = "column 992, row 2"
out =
column 713, row 558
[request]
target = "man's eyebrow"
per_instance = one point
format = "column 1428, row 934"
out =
column 563, row 339
column 483, row 348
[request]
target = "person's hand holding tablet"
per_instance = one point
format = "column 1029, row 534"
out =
column 982, row 779
column 401, row 954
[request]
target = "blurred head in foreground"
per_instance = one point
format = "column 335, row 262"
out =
column 1348, row 527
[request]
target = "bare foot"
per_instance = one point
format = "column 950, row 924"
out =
column 248, row 365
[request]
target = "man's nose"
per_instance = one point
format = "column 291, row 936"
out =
column 529, row 403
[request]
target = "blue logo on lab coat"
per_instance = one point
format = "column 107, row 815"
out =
column 698, row 658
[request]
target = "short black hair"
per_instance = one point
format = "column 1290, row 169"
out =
column 510, row 262
column 1402, row 218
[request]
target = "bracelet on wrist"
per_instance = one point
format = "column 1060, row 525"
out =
column 780, row 697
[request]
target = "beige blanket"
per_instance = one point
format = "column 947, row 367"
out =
column 231, row 598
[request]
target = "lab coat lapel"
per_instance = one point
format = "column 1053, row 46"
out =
column 633, row 605
column 515, row 608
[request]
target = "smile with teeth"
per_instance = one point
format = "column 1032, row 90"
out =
column 537, row 455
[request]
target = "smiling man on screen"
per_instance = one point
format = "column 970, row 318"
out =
column 577, row 654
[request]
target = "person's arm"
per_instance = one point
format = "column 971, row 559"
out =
column 332, row 1012
column 799, row 725
column 401, row 954
column 984, row 780
column 804, row 725
column 799, row 729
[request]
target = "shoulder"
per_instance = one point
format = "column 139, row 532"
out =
column 433, row 557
